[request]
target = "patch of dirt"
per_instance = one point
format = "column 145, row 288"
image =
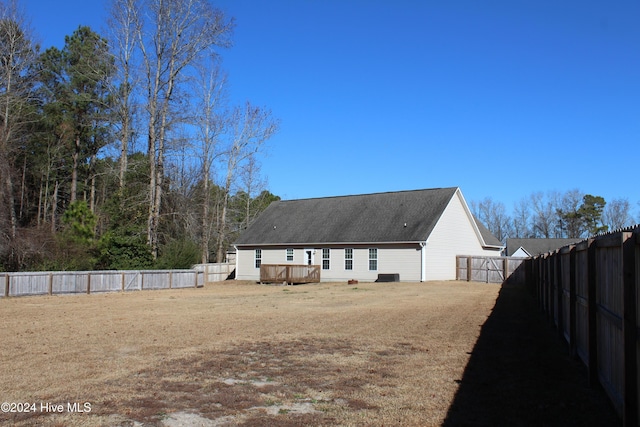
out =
column 250, row 355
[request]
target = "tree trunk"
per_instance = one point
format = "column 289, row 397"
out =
column 151, row 225
column 23, row 188
column 205, row 218
column 40, row 212
column 74, row 170
column 12, row 204
column 222, row 230
column 54, row 204
column 92, row 193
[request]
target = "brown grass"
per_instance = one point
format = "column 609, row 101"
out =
column 244, row 354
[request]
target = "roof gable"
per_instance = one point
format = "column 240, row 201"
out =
column 488, row 238
column 404, row 216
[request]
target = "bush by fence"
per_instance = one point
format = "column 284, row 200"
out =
column 590, row 292
column 73, row 282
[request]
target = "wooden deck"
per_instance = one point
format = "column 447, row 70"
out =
column 289, row 273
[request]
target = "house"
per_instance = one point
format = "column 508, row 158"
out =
column 416, row 234
column 524, row 248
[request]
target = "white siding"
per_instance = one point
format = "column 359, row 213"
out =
column 401, row 259
column 246, row 269
column 520, row 253
column 245, row 265
column 453, row 235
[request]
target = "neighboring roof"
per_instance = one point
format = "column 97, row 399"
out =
column 403, row 216
column 366, row 218
column 537, row 246
column 520, row 253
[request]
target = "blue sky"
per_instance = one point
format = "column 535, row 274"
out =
column 501, row 98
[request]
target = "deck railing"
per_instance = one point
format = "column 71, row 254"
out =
column 289, row 273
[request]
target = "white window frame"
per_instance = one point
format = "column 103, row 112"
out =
column 257, row 258
column 348, row 259
column 289, row 254
column 373, row 260
column 326, row 258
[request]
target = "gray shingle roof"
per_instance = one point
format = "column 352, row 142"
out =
column 366, row 218
column 488, row 238
column 538, row 246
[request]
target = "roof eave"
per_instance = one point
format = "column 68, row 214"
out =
column 400, row 242
column 493, row 247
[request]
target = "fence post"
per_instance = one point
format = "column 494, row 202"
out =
column 122, row 282
column 469, row 266
column 546, row 266
column 88, row 283
column 505, row 269
column 573, row 347
column 559, row 293
column 6, row 285
column 535, row 274
column 629, row 331
column 592, row 312
column 549, row 277
column 50, row 283
column 170, row 279
column 543, row 282
column 540, row 281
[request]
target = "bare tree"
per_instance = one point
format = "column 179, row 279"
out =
column 617, row 214
column 544, row 214
column 173, row 35
column 493, row 215
column 252, row 185
column 124, row 26
column 211, row 123
column 17, row 56
column 249, row 127
column 522, row 219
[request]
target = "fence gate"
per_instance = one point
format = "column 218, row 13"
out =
column 485, row 269
column 491, row 269
column 132, row 281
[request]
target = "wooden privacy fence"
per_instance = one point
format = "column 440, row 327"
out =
column 73, row 282
column 473, row 268
column 216, row 272
column 289, row 273
column 590, row 292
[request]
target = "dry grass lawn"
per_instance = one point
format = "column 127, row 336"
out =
column 243, row 354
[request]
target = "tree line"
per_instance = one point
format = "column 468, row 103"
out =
column 123, row 150
column 572, row 214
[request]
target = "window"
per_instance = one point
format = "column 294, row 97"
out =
column 289, row 254
column 258, row 258
column 326, row 255
column 348, row 259
column 373, row 259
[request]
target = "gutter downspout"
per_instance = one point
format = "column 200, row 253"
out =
column 236, row 260
column 423, row 261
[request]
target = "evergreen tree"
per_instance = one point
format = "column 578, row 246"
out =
column 591, row 212
column 75, row 83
